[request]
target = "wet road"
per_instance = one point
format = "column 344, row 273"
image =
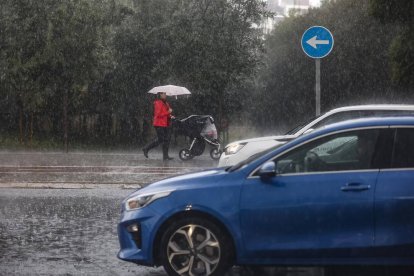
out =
column 70, row 232
column 62, row 232
column 67, row 226
column 70, row 227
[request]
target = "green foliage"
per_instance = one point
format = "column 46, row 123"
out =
column 401, row 50
column 52, row 50
column 22, row 41
column 402, row 58
column 93, row 61
column 393, row 10
column 207, row 46
column 356, row 71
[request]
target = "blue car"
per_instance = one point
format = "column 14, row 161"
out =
column 341, row 195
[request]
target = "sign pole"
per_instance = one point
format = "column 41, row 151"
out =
column 317, row 42
column 318, row 86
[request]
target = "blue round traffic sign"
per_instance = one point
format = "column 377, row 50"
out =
column 317, row 42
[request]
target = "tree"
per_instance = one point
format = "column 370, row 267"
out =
column 73, row 60
column 356, row 71
column 208, row 46
column 75, row 51
column 23, row 44
column 217, row 50
column 52, row 50
column 402, row 46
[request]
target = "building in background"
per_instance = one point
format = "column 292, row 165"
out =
column 284, row 8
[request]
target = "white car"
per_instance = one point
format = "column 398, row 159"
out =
column 241, row 150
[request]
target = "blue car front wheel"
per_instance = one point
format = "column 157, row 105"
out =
column 195, row 246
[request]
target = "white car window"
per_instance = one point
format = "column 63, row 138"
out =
column 337, row 117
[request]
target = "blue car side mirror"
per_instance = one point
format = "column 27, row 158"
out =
column 267, row 171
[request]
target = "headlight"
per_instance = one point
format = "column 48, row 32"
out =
column 140, row 201
column 233, row 148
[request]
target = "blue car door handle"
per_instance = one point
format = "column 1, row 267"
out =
column 355, row 187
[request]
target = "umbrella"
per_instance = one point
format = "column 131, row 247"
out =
column 171, row 90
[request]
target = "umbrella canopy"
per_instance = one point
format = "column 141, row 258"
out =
column 171, row 90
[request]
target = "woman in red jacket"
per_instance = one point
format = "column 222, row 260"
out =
column 161, row 123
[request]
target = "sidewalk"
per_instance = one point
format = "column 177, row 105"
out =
column 99, row 158
column 91, row 170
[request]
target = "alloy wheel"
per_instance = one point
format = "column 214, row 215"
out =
column 193, row 250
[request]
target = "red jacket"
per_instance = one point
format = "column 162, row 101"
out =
column 161, row 113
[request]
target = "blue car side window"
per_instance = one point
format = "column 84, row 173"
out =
column 339, row 152
column 403, row 152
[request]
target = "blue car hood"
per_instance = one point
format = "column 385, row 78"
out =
column 185, row 181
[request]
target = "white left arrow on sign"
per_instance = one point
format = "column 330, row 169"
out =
column 314, row 42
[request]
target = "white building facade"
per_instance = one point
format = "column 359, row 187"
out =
column 284, row 8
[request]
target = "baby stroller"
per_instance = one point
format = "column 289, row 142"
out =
column 201, row 130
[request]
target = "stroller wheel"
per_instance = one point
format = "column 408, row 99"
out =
column 215, row 154
column 185, row 155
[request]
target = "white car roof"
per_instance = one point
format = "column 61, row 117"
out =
column 400, row 107
column 372, row 107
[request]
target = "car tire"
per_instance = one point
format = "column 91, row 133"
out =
column 197, row 245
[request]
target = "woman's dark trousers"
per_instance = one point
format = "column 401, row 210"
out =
column 163, row 137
